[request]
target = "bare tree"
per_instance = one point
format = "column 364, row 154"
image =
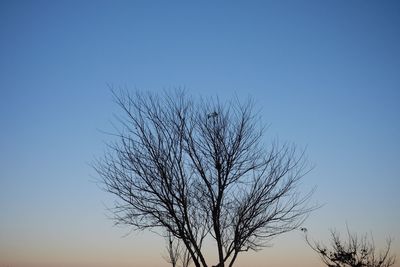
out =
column 177, row 253
column 355, row 252
column 200, row 169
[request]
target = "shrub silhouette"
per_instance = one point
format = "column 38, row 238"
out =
column 354, row 252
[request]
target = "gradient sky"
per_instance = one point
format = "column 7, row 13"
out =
column 326, row 75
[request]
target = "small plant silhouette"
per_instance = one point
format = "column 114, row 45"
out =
column 355, row 252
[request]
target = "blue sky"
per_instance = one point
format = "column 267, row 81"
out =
column 325, row 74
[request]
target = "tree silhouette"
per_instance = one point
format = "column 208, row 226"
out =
column 177, row 254
column 355, row 252
column 199, row 169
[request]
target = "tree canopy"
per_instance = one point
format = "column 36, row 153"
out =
column 199, row 168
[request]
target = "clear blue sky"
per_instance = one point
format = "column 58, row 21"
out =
column 326, row 75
